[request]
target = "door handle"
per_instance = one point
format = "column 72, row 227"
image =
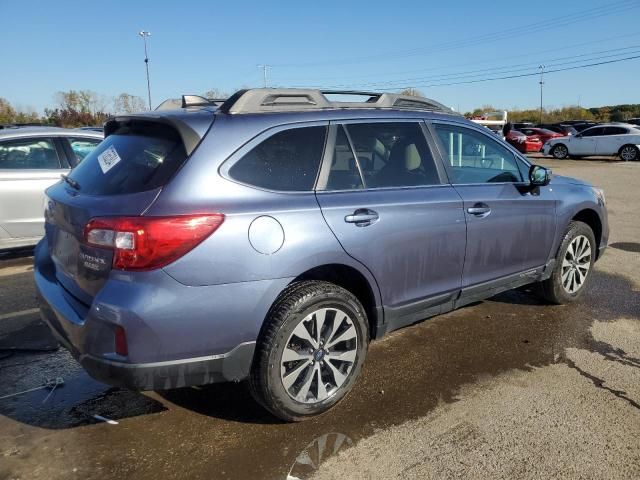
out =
column 479, row 210
column 362, row 217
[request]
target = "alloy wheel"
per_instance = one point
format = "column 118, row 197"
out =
column 629, row 153
column 319, row 355
column 560, row 152
column 576, row 264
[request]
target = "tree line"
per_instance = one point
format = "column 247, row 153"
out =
column 610, row 113
column 75, row 108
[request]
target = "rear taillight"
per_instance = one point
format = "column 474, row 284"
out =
column 145, row 243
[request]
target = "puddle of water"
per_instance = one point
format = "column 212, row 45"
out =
column 72, row 404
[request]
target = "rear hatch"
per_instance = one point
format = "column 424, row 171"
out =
column 120, row 179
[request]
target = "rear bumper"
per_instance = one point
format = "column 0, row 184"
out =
column 177, row 336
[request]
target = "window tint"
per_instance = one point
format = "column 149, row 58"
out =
column 82, row 147
column 137, row 157
column 344, row 173
column 593, row 132
column 32, row 153
column 393, row 154
column 476, row 158
column 287, row 161
column 615, row 131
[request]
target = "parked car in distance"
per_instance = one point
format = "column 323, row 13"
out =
column 579, row 125
column 542, row 133
column 519, row 125
column 91, row 129
column 270, row 239
column 634, row 121
column 618, row 139
column 523, row 143
column 32, row 159
column 558, row 128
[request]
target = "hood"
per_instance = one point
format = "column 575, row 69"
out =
column 562, row 180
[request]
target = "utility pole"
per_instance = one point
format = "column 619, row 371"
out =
column 541, row 67
column 265, row 74
column 144, row 34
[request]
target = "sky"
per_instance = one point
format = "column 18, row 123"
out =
column 195, row 46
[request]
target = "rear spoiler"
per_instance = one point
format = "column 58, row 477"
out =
column 191, row 127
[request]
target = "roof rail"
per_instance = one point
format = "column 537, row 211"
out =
column 190, row 101
column 262, row 100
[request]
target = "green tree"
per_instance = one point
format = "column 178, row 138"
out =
column 7, row 112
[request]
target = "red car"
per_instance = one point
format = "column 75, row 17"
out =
column 524, row 143
column 542, row 133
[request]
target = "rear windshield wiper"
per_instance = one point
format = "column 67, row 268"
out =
column 70, row 181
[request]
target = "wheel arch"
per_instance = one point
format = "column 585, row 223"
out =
column 627, row 145
column 356, row 282
column 591, row 218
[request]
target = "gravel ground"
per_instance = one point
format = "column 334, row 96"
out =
column 506, row 388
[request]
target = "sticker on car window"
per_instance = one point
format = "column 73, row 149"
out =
column 108, row 159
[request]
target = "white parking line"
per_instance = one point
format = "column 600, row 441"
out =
column 21, row 313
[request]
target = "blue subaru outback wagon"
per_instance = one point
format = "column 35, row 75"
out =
column 272, row 237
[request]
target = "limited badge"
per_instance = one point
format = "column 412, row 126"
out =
column 108, row 159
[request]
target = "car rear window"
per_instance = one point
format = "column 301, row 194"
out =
column 288, row 161
column 136, row 157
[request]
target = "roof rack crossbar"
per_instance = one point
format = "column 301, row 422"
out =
column 261, row 100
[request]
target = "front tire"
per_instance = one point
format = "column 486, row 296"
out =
column 560, row 152
column 310, row 352
column 574, row 264
column 629, row 153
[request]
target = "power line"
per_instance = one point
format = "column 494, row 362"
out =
column 495, row 70
column 507, row 77
column 480, row 62
column 589, row 14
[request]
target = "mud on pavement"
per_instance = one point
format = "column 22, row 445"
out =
column 506, row 388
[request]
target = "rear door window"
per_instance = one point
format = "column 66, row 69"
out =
column 29, row 154
column 287, row 161
column 615, row 131
column 137, row 157
column 344, row 173
column 393, row 154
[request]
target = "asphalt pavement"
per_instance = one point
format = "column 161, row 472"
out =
column 505, row 388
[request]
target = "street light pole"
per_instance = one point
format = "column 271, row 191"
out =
column 144, row 35
column 541, row 67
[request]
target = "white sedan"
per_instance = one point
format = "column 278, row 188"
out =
column 608, row 139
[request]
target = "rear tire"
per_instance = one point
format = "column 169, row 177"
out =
column 310, row 351
column 574, row 264
column 629, row 153
column 559, row 151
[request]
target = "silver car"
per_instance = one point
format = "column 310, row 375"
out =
column 32, row 159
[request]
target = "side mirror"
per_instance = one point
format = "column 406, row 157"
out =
column 539, row 176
